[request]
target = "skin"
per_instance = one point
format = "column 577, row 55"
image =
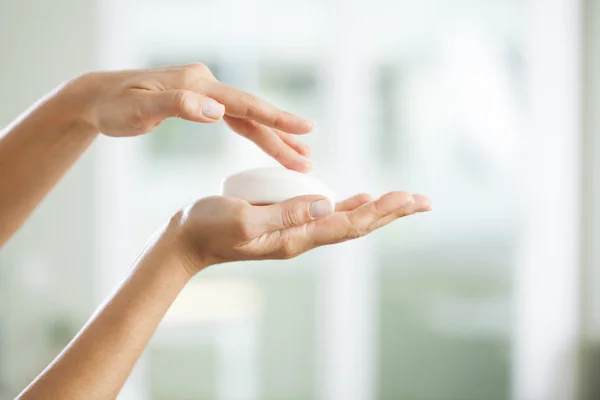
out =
column 96, row 364
column 37, row 150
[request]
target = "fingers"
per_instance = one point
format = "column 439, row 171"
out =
column 353, row 202
column 290, row 213
column 420, row 204
column 240, row 104
column 343, row 226
column 198, row 78
column 300, row 147
column 183, row 104
column 365, row 215
column 270, row 143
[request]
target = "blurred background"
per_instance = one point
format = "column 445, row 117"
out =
column 489, row 107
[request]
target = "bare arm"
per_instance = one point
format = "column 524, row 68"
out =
column 214, row 230
column 37, row 150
column 98, row 361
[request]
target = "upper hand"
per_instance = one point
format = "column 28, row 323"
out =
column 221, row 229
column 129, row 103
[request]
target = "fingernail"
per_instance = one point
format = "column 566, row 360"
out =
column 321, row 208
column 307, row 164
column 300, row 164
column 213, row 110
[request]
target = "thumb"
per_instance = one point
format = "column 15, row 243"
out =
column 293, row 212
column 184, row 104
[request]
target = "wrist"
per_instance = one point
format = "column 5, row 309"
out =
column 184, row 254
column 73, row 104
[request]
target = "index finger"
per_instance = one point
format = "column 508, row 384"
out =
column 240, row 104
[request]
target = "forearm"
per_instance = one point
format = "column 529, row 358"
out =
column 98, row 361
column 35, row 152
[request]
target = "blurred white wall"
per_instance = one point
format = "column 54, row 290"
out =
column 47, row 270
column 43, row 43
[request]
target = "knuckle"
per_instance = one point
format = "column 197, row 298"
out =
column 179, row 98
column 405, row 197
column 278, row 120
column 249, row 100
column 353, row 232
column 363, row 197
column 188, row 75
column 88, row 79
column 277, row 153
column 291, row 218
column 199, row 67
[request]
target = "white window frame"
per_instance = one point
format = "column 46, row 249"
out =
column 546, row 275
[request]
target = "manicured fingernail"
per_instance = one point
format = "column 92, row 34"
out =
column 308, row 164
column 301, row 164
column 213, row 110
column 306, row 150
column 321, row 208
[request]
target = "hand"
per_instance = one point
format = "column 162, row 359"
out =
column 221, row 229
column 130, row 103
